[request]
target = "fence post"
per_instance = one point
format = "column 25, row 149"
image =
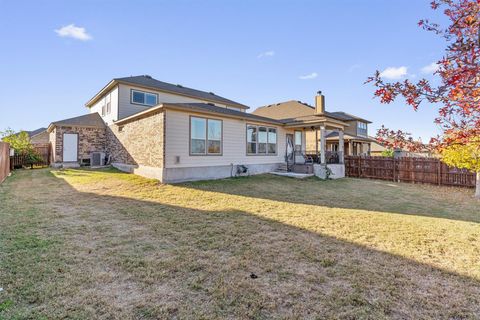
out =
column 394, row 169
column 439, row 172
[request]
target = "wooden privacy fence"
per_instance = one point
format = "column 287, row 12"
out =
column 415, row 170
column 20, row 160
column 4, row 160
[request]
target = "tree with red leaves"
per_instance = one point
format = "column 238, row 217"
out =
column 457, row 96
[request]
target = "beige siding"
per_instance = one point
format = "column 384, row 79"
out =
column 97, row 107
column 234, row 143
column 352, row 128
column 127, row 108
column 311, row 146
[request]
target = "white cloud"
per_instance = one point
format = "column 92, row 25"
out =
column 312, row 75
column 270, row 53
column 431, row 68
column 394, row 73
column 71, row 31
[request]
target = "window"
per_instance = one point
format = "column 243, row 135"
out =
column 108, row 104
column 104, row 110
column 272, row 140
column 205, row 136
column 298, row 140
column 145, row 98
column 214, row 136
column 362, row 128
column 251, row 139
column 261, row 140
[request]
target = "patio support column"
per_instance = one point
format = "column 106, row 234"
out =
column 316, row 141
column 350, row 148
column 341, row 145
column 323, row 144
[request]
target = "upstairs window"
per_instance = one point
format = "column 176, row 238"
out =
column 361, row 128
column 205, row 136
column 104, row 108
column 144, row 98
column 261, row 140
column 108, row 104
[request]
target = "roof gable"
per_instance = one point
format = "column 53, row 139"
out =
column 285, row 110
column 36, row 132
column 88, row 120
column 297, row 109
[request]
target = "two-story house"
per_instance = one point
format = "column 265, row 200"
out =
column 174, row 133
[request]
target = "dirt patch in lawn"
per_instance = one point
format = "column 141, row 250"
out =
column 103, row 244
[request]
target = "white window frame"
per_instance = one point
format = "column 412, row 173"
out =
column 108, row 104
column 362, row 126
column 144, row 99
column 257, row 128
column 295, row 140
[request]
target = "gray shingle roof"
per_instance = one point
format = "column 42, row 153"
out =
column 35, row 132
column 147, row 81
column 346, row 116
column 297, row 109
column 88, row 120
column 220, row 110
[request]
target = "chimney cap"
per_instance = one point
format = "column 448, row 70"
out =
column 319, row 92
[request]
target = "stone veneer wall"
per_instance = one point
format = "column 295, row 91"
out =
column 138, row 142
column 89, row 140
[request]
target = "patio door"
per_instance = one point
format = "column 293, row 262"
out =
column 70, row 147
column 289, row 148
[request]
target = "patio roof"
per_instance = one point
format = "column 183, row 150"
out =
column 334, row 136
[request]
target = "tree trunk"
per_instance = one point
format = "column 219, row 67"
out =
column 477, row 190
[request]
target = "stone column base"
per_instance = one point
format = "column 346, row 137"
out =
column 337, row 171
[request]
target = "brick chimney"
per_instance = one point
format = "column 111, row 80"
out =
column 319, row 103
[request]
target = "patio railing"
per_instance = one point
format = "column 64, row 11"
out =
column 331, row 157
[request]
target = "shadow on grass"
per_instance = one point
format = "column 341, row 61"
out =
column 350, row 193
column 129, row 258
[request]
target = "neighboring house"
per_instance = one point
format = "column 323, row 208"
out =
column 39, row 136
column 174, row 133
column 378, row 148
column 355, row 129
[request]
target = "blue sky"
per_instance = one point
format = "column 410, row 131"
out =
column 254, row 52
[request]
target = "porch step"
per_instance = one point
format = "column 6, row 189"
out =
column 282, row 168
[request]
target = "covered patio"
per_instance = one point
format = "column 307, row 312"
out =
column 307, row 159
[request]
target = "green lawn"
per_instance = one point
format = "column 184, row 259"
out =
column 84, row 244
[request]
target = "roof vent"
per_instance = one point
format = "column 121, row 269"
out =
column 179, row 85
column 212, row 93
column 148, row 76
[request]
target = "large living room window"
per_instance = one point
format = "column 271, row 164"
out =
column 143, row 98
column 261, row 140
column 205, row 136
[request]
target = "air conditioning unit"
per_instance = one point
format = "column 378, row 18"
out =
column 98, row 159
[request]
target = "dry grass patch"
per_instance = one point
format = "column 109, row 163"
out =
column 103, row 244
